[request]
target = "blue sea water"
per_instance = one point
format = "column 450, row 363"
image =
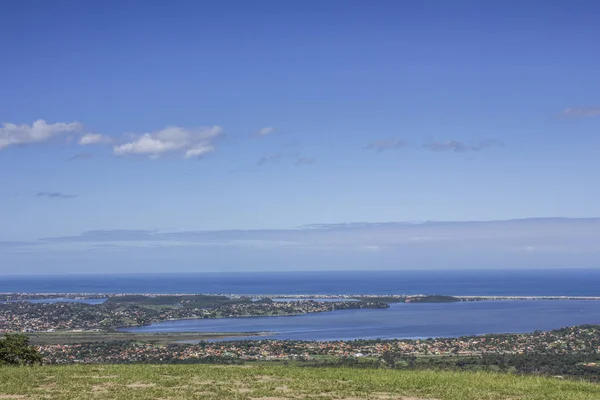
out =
column 398, row 321
column 576, row 282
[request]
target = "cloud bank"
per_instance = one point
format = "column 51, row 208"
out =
column 528, row 243
column 39, row 131
column 542, row 234
column 175, row 140
column 189, row 143
column 94, row 138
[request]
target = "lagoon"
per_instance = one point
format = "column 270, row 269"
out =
column 403, row 321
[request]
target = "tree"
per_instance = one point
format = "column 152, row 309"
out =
column 15, row 350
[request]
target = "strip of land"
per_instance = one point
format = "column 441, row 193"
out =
column 23, row 314
column 63, row 338
column 75, row 332
column 77, row 312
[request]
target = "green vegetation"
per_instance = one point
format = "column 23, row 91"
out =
column 136, row 310
column 433, row 299
column 429, row 298
column 571, row 352
column 195, row 300
column 45, row 338
column 177, row 382
column 15, row 350
column 576, row 366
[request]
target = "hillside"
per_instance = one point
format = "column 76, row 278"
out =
column 177, row 382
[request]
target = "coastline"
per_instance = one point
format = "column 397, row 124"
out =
column 243, row 318
column 343, row 296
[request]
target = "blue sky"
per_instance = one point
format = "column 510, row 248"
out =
column 227, row 119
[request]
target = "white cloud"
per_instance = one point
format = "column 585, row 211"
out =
column 199, row 151
column 172, row 139
column 94, row 138
column 265, row 131
column 582, row 112
column 39, row 131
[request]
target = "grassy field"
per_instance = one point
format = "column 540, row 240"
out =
column 164, row 382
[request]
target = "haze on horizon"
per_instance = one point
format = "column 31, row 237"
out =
column 298, row 135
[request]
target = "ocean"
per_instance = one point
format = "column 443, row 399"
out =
column 576, row 282
column 400, row 321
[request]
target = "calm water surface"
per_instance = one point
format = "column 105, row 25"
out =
column 575, row 282
column 399, row 321
column 404, row 321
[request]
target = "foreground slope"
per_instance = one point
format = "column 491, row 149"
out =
column 276, row 383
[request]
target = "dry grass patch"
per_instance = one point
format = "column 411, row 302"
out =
column 270, row 378
column 394, row 396
column 102, row 388
column 269, row 398
column 196, row 381
column 140, row 385
column 241, row 390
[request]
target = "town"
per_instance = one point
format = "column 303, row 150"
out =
column 121, row 311
column 572, row 350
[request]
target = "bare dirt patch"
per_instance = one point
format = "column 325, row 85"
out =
column 416, row 398
column 206, row 382
column 386, row 396
column 102, row 388
column 242, row 390
column 395, row 396
column 269, row 398
column 269, row 378
column 140, row 385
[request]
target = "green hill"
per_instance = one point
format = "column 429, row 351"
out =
column 176, row 382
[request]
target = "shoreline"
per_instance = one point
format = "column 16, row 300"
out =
column 84, row 296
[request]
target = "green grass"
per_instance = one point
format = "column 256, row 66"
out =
column 273, row 383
